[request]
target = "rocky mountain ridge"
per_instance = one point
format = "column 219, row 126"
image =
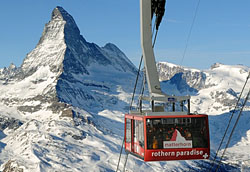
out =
column 221, row 83
column 62, row 56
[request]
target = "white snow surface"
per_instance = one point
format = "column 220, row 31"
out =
column 31, row 86
column 46, row 141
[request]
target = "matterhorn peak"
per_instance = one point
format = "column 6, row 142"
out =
column 62, row 48
column 60, row 26
column 63, row 56
column 58, row 13
column 56, row 37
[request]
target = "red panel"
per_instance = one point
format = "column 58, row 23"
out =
column 176, row 116
column 133, row 147
column 128, row 146
column 138, row 149
column 129, row 116
column 140, row 118
column 136, row 117
column 176, row 154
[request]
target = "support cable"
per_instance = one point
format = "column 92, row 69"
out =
column 144, row 79
column 126, row 159
column 236, row 106
column 136, row 81
column 246, row 99
column 120, row 155
column 159, row 11
column 190, row 31
column 155, row 38
column 139, row 69
column 139, row 105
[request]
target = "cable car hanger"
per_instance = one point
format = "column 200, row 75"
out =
column 147, row 10
column 158, row 134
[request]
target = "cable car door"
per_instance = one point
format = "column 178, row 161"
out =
column 128, row 134
column 138, row 137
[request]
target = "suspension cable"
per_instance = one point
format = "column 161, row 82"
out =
column 120, row 155
column 236, row 106
column 141, row 92
column 155, row 38
column 144, row 79
column 246, row 99
column 136, row 81
column 139, row 69
column 190, row 31
column 126, row 159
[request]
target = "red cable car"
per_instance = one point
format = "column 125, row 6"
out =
column 164, row 136
column 156, row 134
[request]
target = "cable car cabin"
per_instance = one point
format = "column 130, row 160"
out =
column 164, row 136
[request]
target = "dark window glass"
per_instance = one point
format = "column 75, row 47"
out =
column 177, row 133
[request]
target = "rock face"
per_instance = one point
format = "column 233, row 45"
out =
column 193, row 77
column 12, row 166
column 7, row 122
column 213, row 91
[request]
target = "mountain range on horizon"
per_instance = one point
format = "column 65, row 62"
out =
column 63, row 108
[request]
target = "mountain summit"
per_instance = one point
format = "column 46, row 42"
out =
column 56, row 100
column 63, row 66
column 60, row 14
column 61, row 47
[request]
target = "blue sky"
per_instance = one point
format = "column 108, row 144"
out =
column 221, row 32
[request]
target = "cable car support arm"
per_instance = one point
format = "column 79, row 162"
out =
column 149, row 8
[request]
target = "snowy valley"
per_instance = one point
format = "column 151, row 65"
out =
column 63, row 108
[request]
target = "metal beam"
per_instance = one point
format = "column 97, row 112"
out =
column 147, row 48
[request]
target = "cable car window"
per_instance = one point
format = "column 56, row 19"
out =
column 167, row 133
column 167, row 120
column 141, row 134
column 138, row 133
column 128, row 130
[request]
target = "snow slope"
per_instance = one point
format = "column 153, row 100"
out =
column 217, row 97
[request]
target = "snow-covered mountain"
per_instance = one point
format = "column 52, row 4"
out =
column 64, row 99
column 214, row 91
column 63, row 109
